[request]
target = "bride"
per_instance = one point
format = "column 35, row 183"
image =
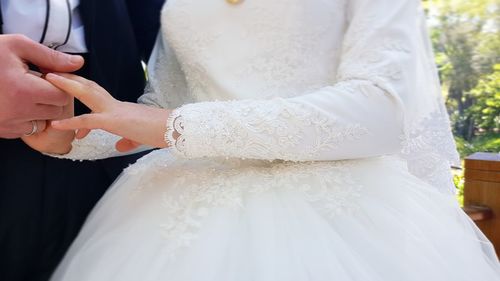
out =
column 301, row 140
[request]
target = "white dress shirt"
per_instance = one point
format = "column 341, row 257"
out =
column 65, row 30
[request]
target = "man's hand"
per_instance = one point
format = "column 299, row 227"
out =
column 51, row 140
column 25, row 97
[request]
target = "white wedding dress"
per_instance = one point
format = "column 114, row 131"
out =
column 313, row 146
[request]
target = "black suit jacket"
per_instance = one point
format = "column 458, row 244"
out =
column 119, row 34
column 44, row 201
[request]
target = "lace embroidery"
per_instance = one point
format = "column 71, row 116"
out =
column 97, row 145
column 194, row 193
column 174, row 125
column 284, row 68
column 190, row 46
column 274, row 129
column 149, row 167
column 374, row 64
column 430, row 150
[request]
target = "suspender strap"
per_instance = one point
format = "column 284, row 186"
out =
column 1, row 18
column 46, row 25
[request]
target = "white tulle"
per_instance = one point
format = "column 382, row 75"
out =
column 313, row 145
column 225, row 220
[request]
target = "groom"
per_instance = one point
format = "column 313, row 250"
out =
column 44, row 201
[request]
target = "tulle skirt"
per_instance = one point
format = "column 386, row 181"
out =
column 238, row 220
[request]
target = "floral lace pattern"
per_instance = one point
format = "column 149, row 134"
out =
column 194, row 194
column 190, row 48
column 333, row 194
column 374, row 64
column 274, row 129
column 195, row 191
column 282, row 70
column 430, row 151
column 97, row 145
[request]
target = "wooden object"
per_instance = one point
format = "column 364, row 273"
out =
column 482, row 193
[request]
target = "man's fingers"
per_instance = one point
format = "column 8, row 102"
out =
column 46, row 112
column 43, row 92
column 86, row 121
column 36, row 73
column 45, row 57
column 21, row 129
column 29, row 128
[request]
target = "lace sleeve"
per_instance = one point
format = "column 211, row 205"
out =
column 362, row 115
column 336, row 123
column 97, row 145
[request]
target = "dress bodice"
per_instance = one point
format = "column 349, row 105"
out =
column 256, row 49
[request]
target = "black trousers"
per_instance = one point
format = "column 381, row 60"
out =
column 43, row 204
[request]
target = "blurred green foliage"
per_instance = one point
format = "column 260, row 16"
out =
column 466, row 39
column 484, row 143
column 458, row 179
column 486, row 110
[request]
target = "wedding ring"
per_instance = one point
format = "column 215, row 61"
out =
column 34, row 129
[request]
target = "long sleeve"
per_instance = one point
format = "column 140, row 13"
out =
column 362, row 115
column 97, row 145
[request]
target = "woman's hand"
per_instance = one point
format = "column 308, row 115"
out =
column 137, row 124
column 51, row 140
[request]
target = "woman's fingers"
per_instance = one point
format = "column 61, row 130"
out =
column 126, row 145
column 82, row 133
column 86, row 121
column 88, row 92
